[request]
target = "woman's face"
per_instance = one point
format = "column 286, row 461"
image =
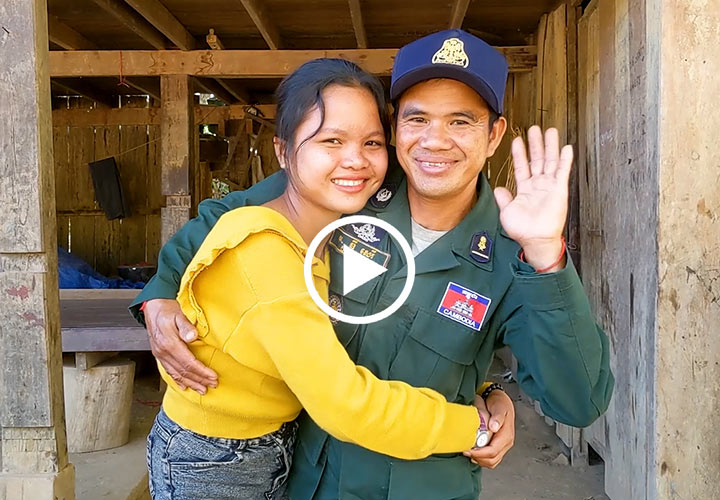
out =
column 345, row 162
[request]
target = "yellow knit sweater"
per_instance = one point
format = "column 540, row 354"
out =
column 275, row 352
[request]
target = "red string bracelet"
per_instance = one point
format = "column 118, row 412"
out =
column 558, row 261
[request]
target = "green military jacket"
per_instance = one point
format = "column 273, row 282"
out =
column 472, row 295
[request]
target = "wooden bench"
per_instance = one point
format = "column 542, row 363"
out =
column 99, row 321
column 95, row 326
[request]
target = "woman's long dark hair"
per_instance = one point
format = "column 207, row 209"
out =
column 301, row 91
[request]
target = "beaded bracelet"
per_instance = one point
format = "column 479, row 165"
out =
column 493, row 387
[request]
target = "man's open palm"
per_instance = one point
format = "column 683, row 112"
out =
column 538, row 211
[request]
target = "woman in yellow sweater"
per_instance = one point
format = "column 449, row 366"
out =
column 273, row 348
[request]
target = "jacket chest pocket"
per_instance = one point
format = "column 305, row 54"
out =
column 436, row 353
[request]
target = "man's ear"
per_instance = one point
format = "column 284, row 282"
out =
column 496, row 135
column 279, row 146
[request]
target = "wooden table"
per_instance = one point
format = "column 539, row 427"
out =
column 99, row 321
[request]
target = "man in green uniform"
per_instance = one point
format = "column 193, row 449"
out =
column 490, row 271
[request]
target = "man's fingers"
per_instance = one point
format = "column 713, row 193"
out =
column 520, row 160
column 537, row 150
column 187, row 331
column 503, row 197
column 552, row 151
column 565, row 164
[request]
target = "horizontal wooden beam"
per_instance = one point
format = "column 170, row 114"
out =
column 162, row 19
column 237, row 63
column 149, row 116
column 120, row 11
column 264, row 22
column 358, row 24
column 63, row 35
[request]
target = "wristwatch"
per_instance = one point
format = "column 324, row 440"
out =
column 482, row 438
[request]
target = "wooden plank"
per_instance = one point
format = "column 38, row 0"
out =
column 237, row 63
column 105, row 339
column 63, row 174
column 86, row 360
column 162, row 19
column 82, row 152
column 154, row 171
column 457, row 16
column 263, row 20
column 358, row 24
column 105, row 116
column 107, row 237
column 82, row 238
column 150, row 116
column 63, row 35
column 119, row 294
column 153, row 238
column 120, row 11
column 573, row 228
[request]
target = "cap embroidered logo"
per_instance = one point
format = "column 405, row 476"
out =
column 452, row 52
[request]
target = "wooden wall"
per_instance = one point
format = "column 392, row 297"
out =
column 82, row 225
column 131, row 133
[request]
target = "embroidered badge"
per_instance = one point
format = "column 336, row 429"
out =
column 452, row 52
column 464, row 306
column 382, row 198
column 341, row 237
column 366, row 232
column 481, row 247
column 335, row 302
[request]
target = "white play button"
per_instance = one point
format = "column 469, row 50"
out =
column 358, row 270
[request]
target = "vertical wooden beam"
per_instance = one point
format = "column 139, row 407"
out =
column 263, row 20
column 457, row 16
column 177, row 138
column 33, row 459
column 358, row 24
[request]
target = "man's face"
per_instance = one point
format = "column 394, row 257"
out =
column 443, row 137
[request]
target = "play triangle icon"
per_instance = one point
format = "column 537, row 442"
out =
column 358, row 270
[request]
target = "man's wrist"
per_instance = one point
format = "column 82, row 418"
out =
column 545, row 256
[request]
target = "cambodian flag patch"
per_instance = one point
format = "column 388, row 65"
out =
column 464, row 306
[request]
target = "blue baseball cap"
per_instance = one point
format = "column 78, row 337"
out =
column 453, row 54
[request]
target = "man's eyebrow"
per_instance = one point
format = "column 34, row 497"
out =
column 412, row 110
column 466, row 113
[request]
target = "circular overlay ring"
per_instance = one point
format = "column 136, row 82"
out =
column 346, row 318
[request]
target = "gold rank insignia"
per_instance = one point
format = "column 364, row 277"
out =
column 452, row 52
column 481, row 247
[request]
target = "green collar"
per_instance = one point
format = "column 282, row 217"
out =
column 483, row 218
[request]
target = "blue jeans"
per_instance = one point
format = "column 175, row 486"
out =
column 184, row 465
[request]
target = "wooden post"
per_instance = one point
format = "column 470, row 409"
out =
column 33, row 452
column 177, row 132
column 651, row 234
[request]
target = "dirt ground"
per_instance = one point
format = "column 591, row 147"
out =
column 528, row 471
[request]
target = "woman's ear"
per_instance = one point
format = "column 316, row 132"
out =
column 279, row 146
